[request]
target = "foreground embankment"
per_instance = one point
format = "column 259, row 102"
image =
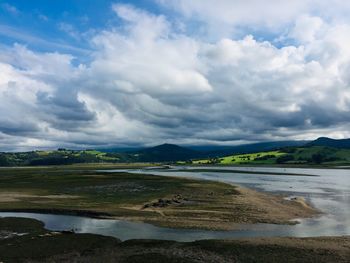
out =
column 25, row 240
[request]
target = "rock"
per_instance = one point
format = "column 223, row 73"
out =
column 68, row 231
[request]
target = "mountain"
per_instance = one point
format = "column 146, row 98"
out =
column 323, row 150
column 119, row 149
column 166, row 152
column 172, row 152
column 328, row 142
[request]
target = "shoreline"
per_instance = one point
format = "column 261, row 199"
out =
column 66, row 212
column 243, row 172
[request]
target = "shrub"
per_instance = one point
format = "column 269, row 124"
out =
column 285, row 158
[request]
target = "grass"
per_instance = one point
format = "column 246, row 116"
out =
column 258, row 158
column 315, row 155
column 61, row 156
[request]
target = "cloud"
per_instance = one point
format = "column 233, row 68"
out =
column 10, row 9
column 225, row 18
column 32, row 40
column 69, row 29
column 146, row 82
column 43, row 17
column 306, row 29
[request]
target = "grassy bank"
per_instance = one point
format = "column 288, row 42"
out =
column 40, row 245
column 163, row 201
column 292, row 156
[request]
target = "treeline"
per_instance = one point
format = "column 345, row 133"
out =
column 313, row 155
column 60, row 157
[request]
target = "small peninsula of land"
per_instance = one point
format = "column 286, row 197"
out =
column 159, row 200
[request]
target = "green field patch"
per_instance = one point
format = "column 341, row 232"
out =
column 260, row 158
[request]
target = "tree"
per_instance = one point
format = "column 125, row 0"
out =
column 284, row 158
column 317, row 158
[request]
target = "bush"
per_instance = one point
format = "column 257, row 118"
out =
column 289, row 150
column 321, row 158
column 285, row 158
column 265, row 157
column 4, row 161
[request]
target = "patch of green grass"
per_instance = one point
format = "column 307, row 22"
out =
column 315, row 155
column 260, row 158
column 61, row 157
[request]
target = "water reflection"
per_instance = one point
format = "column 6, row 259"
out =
column 125, row 230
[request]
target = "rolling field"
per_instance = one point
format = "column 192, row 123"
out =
column 315, row 155
column 259, row 158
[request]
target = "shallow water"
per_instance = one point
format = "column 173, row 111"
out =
column 329, row 192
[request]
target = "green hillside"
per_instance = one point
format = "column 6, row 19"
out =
column 260, row 157
column 59, row 157
column 293, row 155
column 307, row 155
column 160, row 153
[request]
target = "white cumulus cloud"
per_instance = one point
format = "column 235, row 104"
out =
column 146, row 82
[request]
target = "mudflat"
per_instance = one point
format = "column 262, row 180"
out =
column 162, row 201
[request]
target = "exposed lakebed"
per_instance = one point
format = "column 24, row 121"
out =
column 328, row 191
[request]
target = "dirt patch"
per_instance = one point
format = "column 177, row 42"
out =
column 224, row 210
column 9, row 234
column 12, row 197
column 115, row 188
column 175, row 200
column 17, row 197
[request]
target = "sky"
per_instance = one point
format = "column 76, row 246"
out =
column 98, row 74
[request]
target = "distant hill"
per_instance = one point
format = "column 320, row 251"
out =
column 166, row 152
column 212, row 151
column 311, row 155
column 119, row 149
column 61, row 156
column 321, row 151
column 328, row 142
column 171, row 152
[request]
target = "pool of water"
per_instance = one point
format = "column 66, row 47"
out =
column 328, row 191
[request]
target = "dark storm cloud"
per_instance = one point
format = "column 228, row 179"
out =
column 18, row 127
column 65, row 106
